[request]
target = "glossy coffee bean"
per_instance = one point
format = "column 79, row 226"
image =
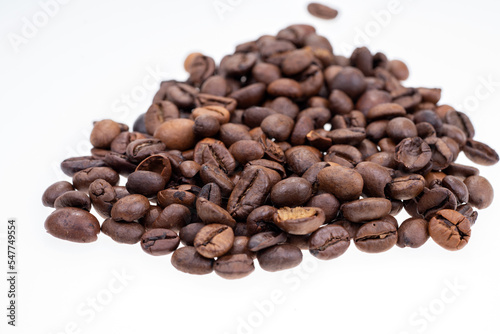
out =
column 406, row 187
column 450, row 229
column 159, row 241
column 266, row 239
column 299, row 220
column 480, row 191
column 413, row 154
column 73, row 224
column 366, row 209
column 83, row 178
column 211, row 213
column 173, row 217
column 292, row 191
column 413, row 233
column 188, row 260
column 74, row 199
column 234, row 266
column 188, row 233
column 329, row 242
column 104, row 132
column 130, row 208
column 376, row 236
column 434, row 200
column 176, row 134
column 326, row 202
column 54, row 191
column 480, row 153
column 344, row 183
column 72, row 165
column 279, row 257
column 125, row 233
column 214, row 240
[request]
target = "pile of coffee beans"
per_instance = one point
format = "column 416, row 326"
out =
column 283, row 146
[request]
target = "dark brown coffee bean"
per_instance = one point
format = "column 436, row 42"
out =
column 450, row 229
column 279, row 257
column 400, row 128
column 104, row 132
column 72, row 224
column 125, row 233
column 399, row 69
column 375, row 178
column 372, row 98
column 406, row 187
column 73, row 199
column 366, row 209
column 176, row 134
column 266, row 73
column 199, row 67
column 160, row 241
column 120, row 143
column 249, row 192
column 173, row 217
column 300, row 158
column 461, row 121
column 54, row 191
column 344, row 183
column 461, row 170
column 283, row 105
column 266, row 239
column 413, row 154
column 218, row 112
column 457, row 187
column 468, row 212
column 376, row 236
column 211, row 192
column 234, row 266
column 130, row 208
column 480, row 191
column 329, row 242
column 271, row 149
column 187, row 260
column 292, row 191
column 158, row 113
column 350, row 80
column 244, row 151
column 261, row 220
column 119, row 163
column 206, row 126
column 328, row 203
column 322, row 11
column 151, row 215
column 145, row 183
column 188, row 233
column 299, row 220
column 297, row 61
column 385, row 111
column 436, row 199
column 184, row 195
column 71, row 166
column 211, row 213
column 214, row 240
column 157, row 163
column 210, row 173
column 349, row 136
column 303, row 126
column 480, row 153
column 250, row 95
column 277, row 126
column 240, row 246
column 413, row 233
column 285, row 87
column 83, row 178
column 217, row 155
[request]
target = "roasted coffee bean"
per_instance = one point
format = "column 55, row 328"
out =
column 413, row 154
column 344, row 154
column 214, row 240
column 266, row 73
column 461, row 121
column 249, row 95
column 244, row 151
column 457, row 187
column 344, row 183
column 157, row 163
column 240, row 246
column 399, row 69
column 211, row 213
column 218, row 112
column 73, row 199
column 204, row 100
column 322, row 11
column 130, row 208
column 71, row 166
column 158, row 113
column 173, row 217
column 375, row 178
column 188, row 260
column 450, row 229
column 400, row 128
column 299, row 220
column 271, row 149
column 125, row 233
column 279, row 257
column 385, row 111
column 216, row 154
column 277, row 126
column 103, row 196
column 119, row 163
column 211, row 192
column 285, row 87
column 350, row 80
column 213, row 174
column 292, row 191
column 468, row 212
column 145, row 183
column 188, row 233
column 329, row 242
column 406, row 187
column 328, row 203
column 54, row 191
column 184, row 195
column 436, row 199
column 83, row 178
column 261, row 220
column 480, row 191
column 376, row 236
column 206, row 126
column 234, row 266
column 266, row 239
column 176, row 134
column 149, row 218
column 160, row 241
column 72, row 224
column 366, row 209
column 300, row 158
column 413, row 233
column 480, row 153
column 104, row 132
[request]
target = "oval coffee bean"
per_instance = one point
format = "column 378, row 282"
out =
column 188, row 260
column 366, row 209
column 413, row 233
column 214, row 240
column 292, row 191
column 329, row 242
column 450, row 229
column 74, row 199
column 234, row 266
column 299, row 220
column 73, row 224
column 126, row 233
column 376, row 236
column 480, row 191
column 130, row 208
column 279, row 257
column 54, row 191
column 159, row 241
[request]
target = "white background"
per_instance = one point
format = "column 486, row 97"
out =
column 79, row 65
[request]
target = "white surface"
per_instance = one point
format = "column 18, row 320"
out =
column 78, row 67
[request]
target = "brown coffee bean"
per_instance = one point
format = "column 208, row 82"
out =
column 130, row 208
column 375, row 178
column 214, row 240
column 399, row 69
column 406, row 187
column 261, row 220
column 244, row 151
column 413, row 233
column 277, row 126
column 125, row 233
column 104, row 132
column 450, row 229
column 480, row 153
column 344, row 183
column 299, row 220
column 457, row 187
column 376, row 236
column 266, row 239
column 329, row 242
column 480, row 191
column 413, row 154
column 145, row 183
column 83, row 178
column 234, row 266
column 300, row 158
column 160, row 241
column 292, row 191
column 461, row 121
column 188, row 233
column 212, row 174
column 187, row 260
column 436, row 199
column 322, row 11
column 72, row 165
column 279, row 257
column 211, row 213
column 73, row 224
column 73, row 199
column 366, row 209
column 173, row 217
column 185, row 195
column 176, row 134
column 328, row 203
column 158, row 113
column 54, row 191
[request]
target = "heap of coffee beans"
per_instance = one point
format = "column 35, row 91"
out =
column 283, row 146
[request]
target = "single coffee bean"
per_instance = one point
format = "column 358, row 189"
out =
column 104, row 132
column 234, row 266
column 214, row 240
column 83, row 178
column 71, row 166
column 326, row 202
column 413, row 233
column 434, row 200
column 277, row 126
column 376, row 236
column 344, row 183
column 145, row 183
column 480, row 153
column 74, row 199
column 299, row 220
column 457, row 187
column 322, row 11
column 480, row 191
column 413, row 154
column 125, row 233
column 329, row 242
column 240, row 246
column 450, row 229
column 176, row 134
column 385, row 111
column 406, row 187
column 188, row 233
column 366, row 209
column 461, row 121
column 400, row 128
column 292, row 191
column 188, row 260
column 261, row 220
column 211, row 192
column 184, row 194
column 140, row 149
column 266, row 239
column 375, row 178
column 211, row 213
column 73, row 224
column 468, row 212
column 54, row 191
column 158, row 113
column 173, row 217
column 149, row 218
column 130, row 208
column 279, row 257
column 399, row 69
column 159, row 241
column 157, row 163
column 244, row 151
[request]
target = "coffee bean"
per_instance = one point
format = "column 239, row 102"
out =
column 375, row 178
column 73, row 224
column 244, row 151
column 261, row 220
column 480, row 191
column 329, row 242
column 344, row 183
column 406, row 187
column 292, row 191
column 214, row 240
column 130, row 208
column 326, row 202
column 234, row 266
column 279, row 257
column 160, row 241
column 322, row 11
column 104, row 132
column 188, row 233
column 413, row 154
column 461, row 121
column 145, row 183
column 54, row 191
column 457, row 187
column 173, row 217
column 187, row 260
column 176, row 134
column 71, row 166
column 366, row 209
column 125, row 233
column 299, row 220
column 277, row 126
column 211, row 213
column 376, row 236
column 158, row 113
column 399, row 69
column 434, row 200
column 450, row 229
column 73, row 199
column 184, row 195
column 480, row 153
column 83, row 178
column 266, row 239
column 413, row 233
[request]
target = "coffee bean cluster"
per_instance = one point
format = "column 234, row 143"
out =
column 283, row 146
